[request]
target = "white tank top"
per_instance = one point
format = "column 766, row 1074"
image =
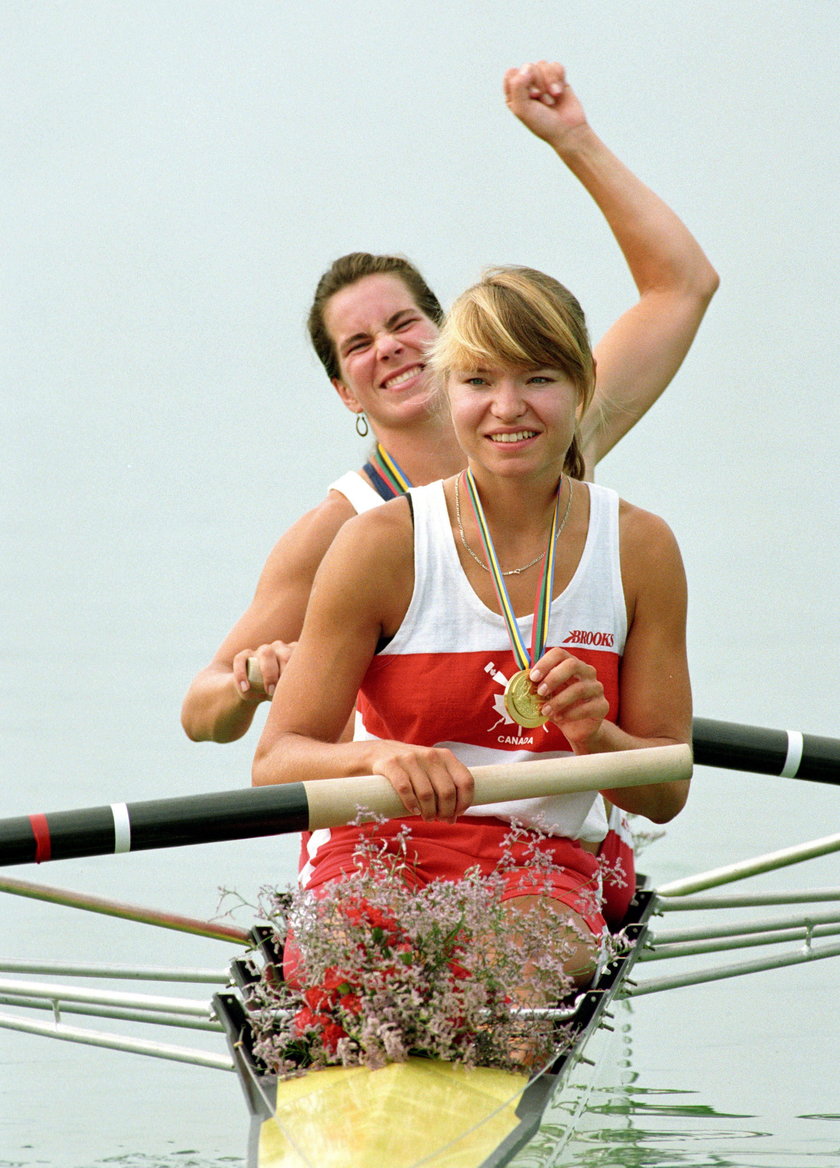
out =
column 357, row 491
column 440, row 680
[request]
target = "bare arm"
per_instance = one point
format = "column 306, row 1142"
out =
column 220, row 703
column 360, row 594
column 640, row 353
column 655, row 693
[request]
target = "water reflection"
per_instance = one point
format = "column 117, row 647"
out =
column 183, row 1159
column 607, row 1118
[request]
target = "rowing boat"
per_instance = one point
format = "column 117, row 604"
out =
column 422, row 1110
column 478, row 1116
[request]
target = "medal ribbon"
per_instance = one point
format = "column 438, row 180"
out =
column 387, row 476
column 542, row 604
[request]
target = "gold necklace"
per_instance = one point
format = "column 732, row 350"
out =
column 480, row 562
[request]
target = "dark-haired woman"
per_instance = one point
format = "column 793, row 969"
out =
column 371, row 321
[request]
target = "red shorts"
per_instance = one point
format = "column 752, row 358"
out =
column 618, row 869
column 445, row 851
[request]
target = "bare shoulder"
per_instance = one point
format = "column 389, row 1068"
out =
column 369, row 570
column 302, row 547
column 650, row 555
column 644, row 531
column 384, row 532
column 279, row 602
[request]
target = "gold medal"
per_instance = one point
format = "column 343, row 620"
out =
column 522, row 703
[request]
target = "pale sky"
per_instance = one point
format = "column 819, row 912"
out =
column 175, row 179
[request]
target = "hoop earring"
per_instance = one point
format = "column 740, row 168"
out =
column 362, row 427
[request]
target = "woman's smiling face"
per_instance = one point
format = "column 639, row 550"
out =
column 513, row 421
column 380, row 337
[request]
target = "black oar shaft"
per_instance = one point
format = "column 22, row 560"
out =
column 768, row 752
column 154, row 823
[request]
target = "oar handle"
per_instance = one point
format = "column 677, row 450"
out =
column 290, row 807
column 336, row 801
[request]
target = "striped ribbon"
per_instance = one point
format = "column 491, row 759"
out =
column 542, row 604
column 387, row 475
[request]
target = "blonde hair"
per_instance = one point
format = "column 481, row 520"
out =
column 517, row 318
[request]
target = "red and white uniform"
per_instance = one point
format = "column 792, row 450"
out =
column 440, row 681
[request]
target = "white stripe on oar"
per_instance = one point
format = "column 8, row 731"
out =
column 796, row 745
column 787, row 753
column 336, row 801
column 122, row 828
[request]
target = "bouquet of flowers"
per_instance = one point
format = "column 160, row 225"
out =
column 386, row 969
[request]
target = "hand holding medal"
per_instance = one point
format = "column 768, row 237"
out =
column 573, row 693
column 522, row 702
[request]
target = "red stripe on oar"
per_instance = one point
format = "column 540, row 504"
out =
column 43, row 843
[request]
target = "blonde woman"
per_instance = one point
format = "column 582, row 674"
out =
column 425, row 609
column 371, row 322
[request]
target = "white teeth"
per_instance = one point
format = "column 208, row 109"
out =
column 516, row 437
column 401, row 377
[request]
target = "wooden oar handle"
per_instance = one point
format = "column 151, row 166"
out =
column 336, row 801
column 270, row 810
column 255, row 677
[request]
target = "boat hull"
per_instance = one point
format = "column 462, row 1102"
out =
column 421, row 1111
column 455, row 1116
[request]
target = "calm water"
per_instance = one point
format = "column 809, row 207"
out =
column 741, row 1073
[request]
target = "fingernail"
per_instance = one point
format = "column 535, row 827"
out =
column 556, row 89
column 542, row 690
column 243, row 685
column 547, row 99
column 270, row 690
column 535, row 675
